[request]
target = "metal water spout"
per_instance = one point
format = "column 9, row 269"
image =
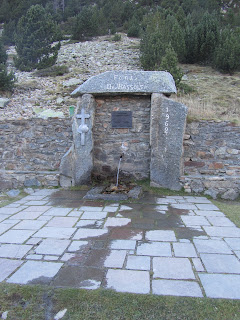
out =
column 119, row 163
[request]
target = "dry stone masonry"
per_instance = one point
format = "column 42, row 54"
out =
column 37, row 152
column 148, row 135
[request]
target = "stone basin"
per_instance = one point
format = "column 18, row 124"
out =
column 97, row 193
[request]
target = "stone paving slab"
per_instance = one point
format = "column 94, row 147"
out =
column 221, row 222
column 184, row 250
column 54, row 232
column 212, row 246
column 9, row 211
column 154, row 249
column 35, row 272
column 16, row 236
column 65, row 222
column 234, row 243
column 222, row 232
column 29, row 225
column 85, row 233
column 7, row 267
column 27, row 215
column 216, row 263
column 16, row 251
column 52, row 246
column 160, row 235
column 128, row 281
column 4, row 227
column 115, row 259
column 176, row 288
column 2, row 217
column 123, row 244
column 172, row 268
column 221, row 285
column 195, row 221
column 174, row 245
column 209, row 213
column 138, row 263
column 57, row 212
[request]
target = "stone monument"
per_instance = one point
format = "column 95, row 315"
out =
column 129, row 114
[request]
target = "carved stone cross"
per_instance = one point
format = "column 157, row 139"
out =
column 83, row 128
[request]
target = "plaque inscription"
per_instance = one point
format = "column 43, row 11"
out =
column 122, row 119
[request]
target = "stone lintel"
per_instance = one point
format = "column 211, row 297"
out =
column 125, row 82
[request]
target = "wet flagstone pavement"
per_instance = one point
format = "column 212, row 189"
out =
column 173, row 245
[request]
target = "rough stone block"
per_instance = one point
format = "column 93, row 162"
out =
column 128, row 82
column 166, row 139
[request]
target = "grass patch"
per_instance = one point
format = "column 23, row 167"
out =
column 40, row 303
column 5, row 199
column 231, row 210
column 215, row 95
column 80, row 188
column 145, row 184
column 53, row 71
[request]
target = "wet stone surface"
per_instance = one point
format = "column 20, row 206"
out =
column 154, row 245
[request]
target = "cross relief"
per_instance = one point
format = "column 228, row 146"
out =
column 83, row 128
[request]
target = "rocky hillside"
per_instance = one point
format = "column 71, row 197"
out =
column 215, row 96
column 36, row 96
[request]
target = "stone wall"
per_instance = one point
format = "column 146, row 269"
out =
column 212, row 159
column 31, row 151
column 133, row 144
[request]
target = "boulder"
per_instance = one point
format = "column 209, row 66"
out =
column 4, row 102
column 231, row 194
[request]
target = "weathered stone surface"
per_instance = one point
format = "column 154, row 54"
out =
column 36, row 272
column 4, row 102
column 176, row 288
column 128, row 281
column 166, row 138
column 78, row 161
column 13, row 193
column 71, row 82
column 216, row 143
column 224, row 286
column 128, row 82
column 132, row 143
column 230, row 195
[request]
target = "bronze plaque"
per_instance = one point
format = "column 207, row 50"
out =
column 122, row 119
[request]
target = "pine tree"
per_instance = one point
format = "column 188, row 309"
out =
column 34, row 36
column 3, row 54
column 176, row 37
column 7, row 80
column 207, row 36
column 228, row 51
column 170, row 63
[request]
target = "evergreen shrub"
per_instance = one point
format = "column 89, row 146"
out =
column 35, row 33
